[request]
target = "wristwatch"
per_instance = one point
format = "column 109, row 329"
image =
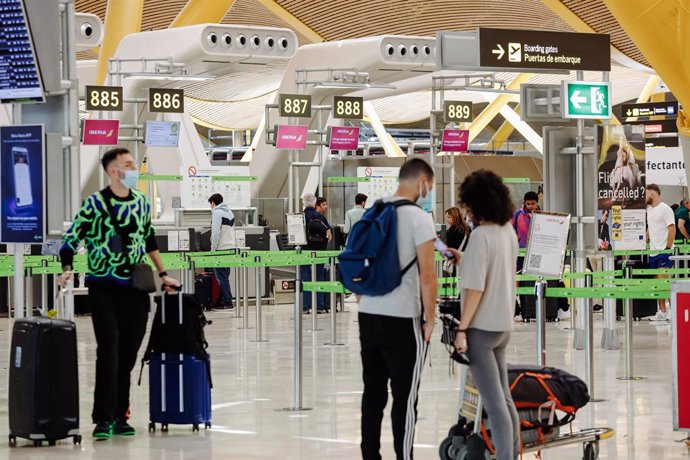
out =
column 163, row 274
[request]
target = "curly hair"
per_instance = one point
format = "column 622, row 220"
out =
column 486, row 196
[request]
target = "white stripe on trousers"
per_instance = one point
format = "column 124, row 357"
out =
column 411, row 418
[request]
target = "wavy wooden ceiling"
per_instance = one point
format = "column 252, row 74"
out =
column 341, row 19
column 598, row 17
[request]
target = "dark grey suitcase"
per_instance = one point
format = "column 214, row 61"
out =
column 44, row 383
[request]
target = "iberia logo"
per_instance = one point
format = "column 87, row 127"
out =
column 300, row 138
column 110, row 133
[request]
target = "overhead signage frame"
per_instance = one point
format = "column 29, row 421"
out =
column 651, row 109
column 523, row 51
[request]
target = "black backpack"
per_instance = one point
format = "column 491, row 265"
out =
column 170, row 335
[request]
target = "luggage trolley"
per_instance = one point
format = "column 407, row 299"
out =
column 456, row 447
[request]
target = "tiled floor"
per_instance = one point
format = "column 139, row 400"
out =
column 252, row 381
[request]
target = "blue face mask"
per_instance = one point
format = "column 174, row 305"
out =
column 428, row 202
column 131, row 178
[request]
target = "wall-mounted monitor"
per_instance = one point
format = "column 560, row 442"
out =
column 162, row 133
column 20, row 78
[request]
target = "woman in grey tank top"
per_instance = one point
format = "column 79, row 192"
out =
column 487, row 279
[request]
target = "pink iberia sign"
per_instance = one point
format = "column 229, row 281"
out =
column 344, row 138
column 100, row 132
column 291, row 137
column 455, row 140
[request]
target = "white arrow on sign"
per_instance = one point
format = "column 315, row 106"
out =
column 500, row 51
column 576, row 99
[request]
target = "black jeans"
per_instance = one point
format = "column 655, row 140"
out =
column 119, row 315
column 393, row 349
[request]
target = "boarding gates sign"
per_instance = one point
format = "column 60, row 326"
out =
column 583, row 99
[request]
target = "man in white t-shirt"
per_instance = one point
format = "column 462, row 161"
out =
column 661, row 230
column 395, row 328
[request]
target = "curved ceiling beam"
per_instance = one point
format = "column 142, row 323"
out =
column 292, row 20
column 661, row 30
column 578, row 25
column 201, row 12
column 122, row 17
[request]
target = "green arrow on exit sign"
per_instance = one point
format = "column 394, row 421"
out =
column 582, row 99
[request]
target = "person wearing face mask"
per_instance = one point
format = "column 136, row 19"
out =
column 395, row 328
column 119, row 312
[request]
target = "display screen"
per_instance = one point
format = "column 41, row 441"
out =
column 19, row 75
column 162, row 133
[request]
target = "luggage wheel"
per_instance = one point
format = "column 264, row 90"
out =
column 152, row 427
column 195, row 427
column 207, row 425
column 164, row 427
column 77, row 440
column 590, row 450
column 13, row 441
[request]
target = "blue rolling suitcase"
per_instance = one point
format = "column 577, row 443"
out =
column 179, row 383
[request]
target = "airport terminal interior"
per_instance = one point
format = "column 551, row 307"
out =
column 261, row 141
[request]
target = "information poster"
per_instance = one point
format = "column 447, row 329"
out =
column 455, row 140
column 383, row 182
column 22, row 191
column 621, row 185
column 162, row 134
column 665, row 166
column 548, row 239
column 295, row 226
column 232, row 182
column 343, row 138
column 289, row 137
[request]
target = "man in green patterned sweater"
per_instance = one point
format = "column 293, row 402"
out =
column 118, row 311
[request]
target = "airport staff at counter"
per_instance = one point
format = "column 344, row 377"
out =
column 115, row 224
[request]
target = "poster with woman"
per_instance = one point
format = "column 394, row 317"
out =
column 621, row 179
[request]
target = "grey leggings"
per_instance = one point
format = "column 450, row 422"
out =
column 486, row 351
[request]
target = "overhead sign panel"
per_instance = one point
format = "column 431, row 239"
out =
column 104, row 98
column 535, row 49
column 343, row 138
column 583, row 99
column 20, row 79
column 455, row 140
column 522, row 51
column 295, row 105
column 651, row 109
column 349, row 108
column 458, row 111
column 166, row 100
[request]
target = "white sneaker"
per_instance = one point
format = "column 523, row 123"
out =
column 660, row 316
column 562, row 315
column 351, row 298
column 517, row 319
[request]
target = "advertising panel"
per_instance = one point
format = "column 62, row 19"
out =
column 344, row 138
column 22, row 191
column 621, row 179
column 665, row 166
column 455, row 140
column 100, row 132
column 289, row 137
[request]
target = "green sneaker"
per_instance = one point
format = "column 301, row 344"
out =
column 122, row 428
column 103, row 431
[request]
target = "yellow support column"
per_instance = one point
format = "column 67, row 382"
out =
column 503, row 133
column 201, row 12
column 122, row 17
column 661, row 30
column 494, row 107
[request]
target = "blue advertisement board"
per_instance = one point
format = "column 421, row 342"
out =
column 22, row 191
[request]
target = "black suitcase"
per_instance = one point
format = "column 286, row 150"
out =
column 203, row 290
column 528, row 303
column 44, row 384
column 642, row 308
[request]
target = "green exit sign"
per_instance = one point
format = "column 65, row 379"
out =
column 583, row 99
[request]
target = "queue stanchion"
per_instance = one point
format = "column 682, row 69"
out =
column 540, row 292
column 190, row 282
column 314, row 298
column 297, row 368
column 629, row 358
column 333, row 312
column 245, row 295
column 588, row 314
column 257, row 300
column 44, row 288
column 29, row 293
column 578, row 320
column 609, row 337
column 236, row 279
